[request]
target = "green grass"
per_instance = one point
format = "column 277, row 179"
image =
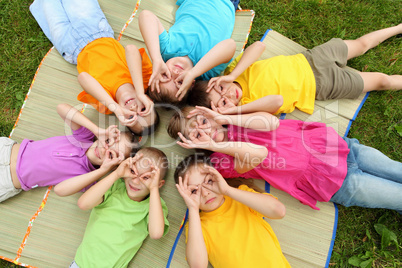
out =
column 309, row 23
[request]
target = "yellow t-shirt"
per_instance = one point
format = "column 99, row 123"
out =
column 105, row 60
column 289, row 76
column 237, row 236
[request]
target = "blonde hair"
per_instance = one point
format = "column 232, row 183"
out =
column 158, row 157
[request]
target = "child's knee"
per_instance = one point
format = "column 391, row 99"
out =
column 383, row 82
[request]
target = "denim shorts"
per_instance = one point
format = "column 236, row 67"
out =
column 71, row 24
column 7, row 188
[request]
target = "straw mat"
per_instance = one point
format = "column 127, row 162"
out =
column 40, row 229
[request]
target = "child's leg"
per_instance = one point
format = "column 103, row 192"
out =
column 369, row 191
column 373, row 179
column 373, row 161
column 379, row 81
column 361, row 45
column 70, row 25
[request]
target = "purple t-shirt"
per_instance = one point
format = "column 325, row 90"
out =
column 53, row 160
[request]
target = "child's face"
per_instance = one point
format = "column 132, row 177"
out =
column 97, row 153
column 136, row 190
column 176, row 66
column 127, row 98
column 209, row 200
column 233, row 95
column 214, row 130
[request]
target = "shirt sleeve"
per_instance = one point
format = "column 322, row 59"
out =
column 83, row 134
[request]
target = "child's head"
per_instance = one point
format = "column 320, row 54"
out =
column 199, row 96
column 193, row 167
column 126, row 146
column 127, row 98
column 189, row 127
column 136, row 190
column 168, row 89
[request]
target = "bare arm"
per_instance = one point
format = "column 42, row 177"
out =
column 77, row 183
column 267, row 205
column 75, row 119
column 94, row 195
column 269, row 104
column 134, row 63
column 156, row 221
column 220, row 53
column 250, row 55
column 151, row 28
column 95, row 89
column 196, row 251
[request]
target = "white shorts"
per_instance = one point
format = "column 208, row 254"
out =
column 7, row 188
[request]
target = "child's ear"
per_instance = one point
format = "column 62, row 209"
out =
column 161, row 183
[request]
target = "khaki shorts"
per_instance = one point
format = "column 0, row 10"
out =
column 334, row 80
column 7, row 188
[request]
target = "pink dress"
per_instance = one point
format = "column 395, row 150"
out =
column 305, row 159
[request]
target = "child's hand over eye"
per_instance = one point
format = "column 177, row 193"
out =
column 127, row 169
column 208, row 113
column 191, row 193
column 160, row 73
column 144, row 105
column 111, row 160
column 126, row 117
column 151, row 179
column 225, row 106
column 184, row 81
column 217, row 83
column 109, row 135
column 214, row 181
column 198, row 139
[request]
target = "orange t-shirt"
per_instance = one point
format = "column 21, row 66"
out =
column 105, row 60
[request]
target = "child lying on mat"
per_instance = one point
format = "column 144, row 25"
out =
column 197, row 45
column 317, row 73
column 308, row 160
column 112, row 77
column 51, row 161
column 226, row 225
column 126, row 207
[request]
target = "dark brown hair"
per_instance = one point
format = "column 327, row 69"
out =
column 198, row 96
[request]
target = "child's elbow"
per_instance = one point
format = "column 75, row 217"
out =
column 131, row 48
column 274, row 124
column 280, row 211
column 278, row 100
column 59, row 191
column 260, row 45
column 83, row 205
column 156, row 235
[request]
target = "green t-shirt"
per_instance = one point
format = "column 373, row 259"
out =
column 116, row 229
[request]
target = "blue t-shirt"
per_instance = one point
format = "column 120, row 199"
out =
column 199, row 26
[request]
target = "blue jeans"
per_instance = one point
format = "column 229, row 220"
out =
column 373, row 180
column 71, row 24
